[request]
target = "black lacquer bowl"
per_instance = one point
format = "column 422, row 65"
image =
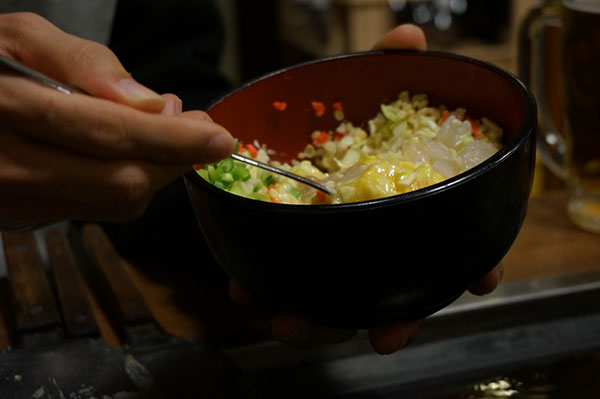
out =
column 398, row 258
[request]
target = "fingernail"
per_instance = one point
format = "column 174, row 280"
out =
column 173, row 106
column 218, row 147
column 134, row 90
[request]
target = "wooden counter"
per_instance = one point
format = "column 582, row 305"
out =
column 194, row 305
column 549, row 244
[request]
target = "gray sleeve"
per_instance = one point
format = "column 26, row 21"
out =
column 89, row 19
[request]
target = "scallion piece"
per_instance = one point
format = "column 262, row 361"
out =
column 226, row 178
column 226, row 165
column 220, row 184
column 295, row 192
column 269, row 180
column 240, row 172
column 203, row 173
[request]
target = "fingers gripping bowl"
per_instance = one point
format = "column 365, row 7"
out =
column 397, row 258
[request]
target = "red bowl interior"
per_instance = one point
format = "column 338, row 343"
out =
column 361, row 82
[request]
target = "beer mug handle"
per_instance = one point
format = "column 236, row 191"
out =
column 532, row 35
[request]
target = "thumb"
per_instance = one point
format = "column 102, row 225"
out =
column 82, row 63
column 405, row 36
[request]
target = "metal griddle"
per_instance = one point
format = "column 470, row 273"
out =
column 58, row 352
column 172, row 367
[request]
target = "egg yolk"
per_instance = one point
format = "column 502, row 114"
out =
column 384, row 177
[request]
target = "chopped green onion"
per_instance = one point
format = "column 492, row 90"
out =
column 225, row 173
column 226, row 178
column 269, row 180
column 211, row 173
column 226, row 165
column 240, row 172
column 203, row 173
column 236, row 188
column 295, row 192
column 219, row 184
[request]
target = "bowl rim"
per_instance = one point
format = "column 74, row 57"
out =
column 506, row 151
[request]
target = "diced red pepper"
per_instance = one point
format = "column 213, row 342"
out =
column 321, row 196
column 445, row 115
column 323, row 137
column 337, row 106
column 319, row 108
column 279, row 105
column 474, row 127
column 252, row 150
column 339, row 136
column 273, row 200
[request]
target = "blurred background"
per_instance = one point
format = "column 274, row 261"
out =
column 288, row 31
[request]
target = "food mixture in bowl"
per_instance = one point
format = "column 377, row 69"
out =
column 408, row 145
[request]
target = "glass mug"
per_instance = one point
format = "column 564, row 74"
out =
column 571, row 150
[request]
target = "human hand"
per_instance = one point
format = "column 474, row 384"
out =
column 385, row 339
column 99, row 157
